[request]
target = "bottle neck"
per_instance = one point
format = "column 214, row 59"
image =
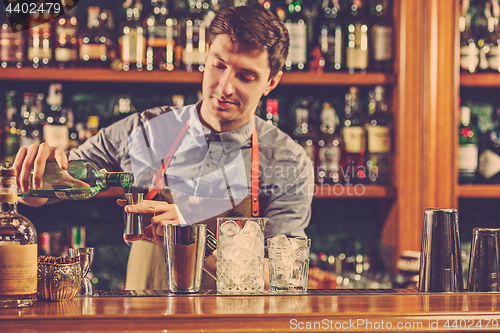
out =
column 8, row 207
column 117, row 179
column 8, row 194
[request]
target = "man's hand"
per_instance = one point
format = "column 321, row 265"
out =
column 34, row 158
column 164, row 213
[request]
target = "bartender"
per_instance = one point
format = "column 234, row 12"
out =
column 210, row 159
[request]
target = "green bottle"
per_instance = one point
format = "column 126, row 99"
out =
column 81, row 180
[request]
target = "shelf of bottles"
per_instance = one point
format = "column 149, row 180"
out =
column 479, row 125
column 345, row 43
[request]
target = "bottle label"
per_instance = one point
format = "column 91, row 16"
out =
column 353, row 139
column 357, row 47
column 298, row 42
column 56, row 135
column 379, row 139
column 63, row 54
column 39, row 52
column 11, row 46
column 382, row 42
column 18, row 269
column 93, row 51
column 467, row 157
column 494, row 58
column 469, row 57
column 489, row 164
column 329, row 158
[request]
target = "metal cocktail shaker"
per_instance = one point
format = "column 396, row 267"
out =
column 440, row 258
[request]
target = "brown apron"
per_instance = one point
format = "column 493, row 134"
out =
column 146, row 269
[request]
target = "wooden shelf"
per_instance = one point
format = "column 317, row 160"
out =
column 353, row 191
column 480, row 80
column 181, row 77
column 321, row 192
column 479, row 191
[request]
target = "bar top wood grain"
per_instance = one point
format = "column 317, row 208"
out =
column 464, row 312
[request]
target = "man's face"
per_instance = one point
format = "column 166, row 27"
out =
column 235, row 79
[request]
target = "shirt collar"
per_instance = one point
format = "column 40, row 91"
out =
column 239, row 136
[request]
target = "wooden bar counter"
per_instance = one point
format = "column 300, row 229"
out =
column 320, row 311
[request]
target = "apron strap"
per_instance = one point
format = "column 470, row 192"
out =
column 158, row 179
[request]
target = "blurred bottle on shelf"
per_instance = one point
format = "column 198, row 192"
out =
column 78, row 236
column 357, row 48
column 295, row 22
column 55, row 130
column 353, row 135
column 159, row 37
column 272, row 115
column 302, row 132
column 111, row 36
column 379, row 141
column 331, row 36
column 482, row 23
column 493, row 54
column 39, row 54
column 489, row 156
column 44, row 244
column 9, row 132
column 329, row 145
column 123, row 108
column 30, row 132
column 469, row 50
column 195, row 38
column 12, row 52
column 93, row 42
column 66, row 41
column 467, row 149
column 132, row 39
column 381, row 36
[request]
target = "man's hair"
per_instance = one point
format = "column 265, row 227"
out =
column 256, row 27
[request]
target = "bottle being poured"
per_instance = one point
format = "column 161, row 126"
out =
column 80, row 181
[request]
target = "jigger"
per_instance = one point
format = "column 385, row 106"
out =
column 484, row 260
column 440, row 258
column 134, row 229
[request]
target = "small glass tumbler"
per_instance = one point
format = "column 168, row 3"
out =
column 86, row 255
column 288, row 264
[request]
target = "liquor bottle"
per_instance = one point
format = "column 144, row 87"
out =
column 40, row 46
column 29, row 132
column 18, row 248
column 469, row 50
column 272, row 115
column 109, row 32
column 357, row 38
column 331, row 36
column 81, row 180
column 10, row 137
column 329, row 147
column 379, row 132
column 295, row 22
column 12, row 51
column 55, row 131
column 159, row 35
column 489, row 156
column 193, row 54
column 93, row 43
column 483, row 21
column 124, row 107
column 353, row 135
column 493, row 54
column 381, row 36
column 467, row 149
column 66, row 41
column 302, row 133
column 133, row 39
